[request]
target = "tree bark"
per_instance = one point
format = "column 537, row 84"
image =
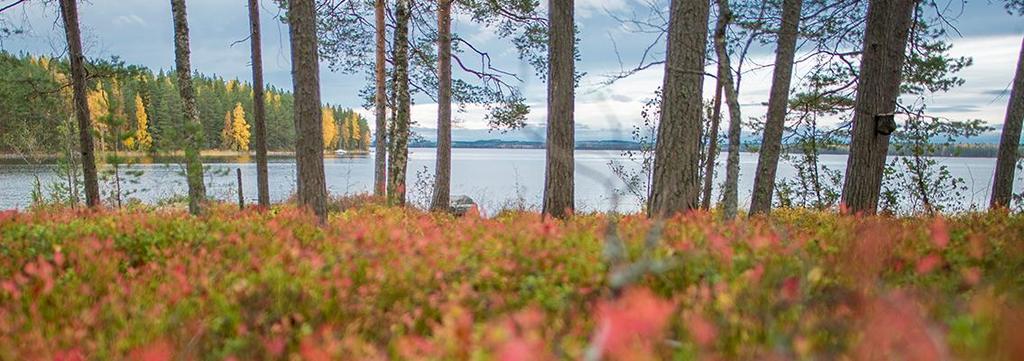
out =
column 309, row 153
column 675, row 187
column 399, row 156
column 771, row 143
column 1002, row 183
column 258, row 106
column 193, row 128
column 559, row 185
column 380, row 180
column 885, row 43
column 443, row 170
column 69, row 14
column 709, row 164
column 730, row 193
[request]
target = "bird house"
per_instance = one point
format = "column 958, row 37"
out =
column 885, row 124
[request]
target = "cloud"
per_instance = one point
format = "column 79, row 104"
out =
column 129, row 20
column 621, row 98
column 996, row 92
column 959, row 108
column 140, row 32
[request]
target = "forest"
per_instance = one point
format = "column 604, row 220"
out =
column 134, row 109
column 876, row 261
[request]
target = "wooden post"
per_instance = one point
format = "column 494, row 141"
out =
column 241, row 199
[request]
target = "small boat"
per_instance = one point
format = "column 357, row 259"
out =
column 340, row 152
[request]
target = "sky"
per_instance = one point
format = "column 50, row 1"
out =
column 141, row 32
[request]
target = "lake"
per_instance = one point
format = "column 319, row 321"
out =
column 492, row 177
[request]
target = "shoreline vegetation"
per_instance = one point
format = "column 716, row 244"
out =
column 956, row 151
column 143, row 158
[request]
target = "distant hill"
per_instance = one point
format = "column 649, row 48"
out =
column 518, row 144
column 963, row 150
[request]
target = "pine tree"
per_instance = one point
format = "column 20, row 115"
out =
column 1002, row 182
column 771, row 143
column 227, row 141
column 69, row 16
column 730, row 191
column 258, row 105
column 398, row 154
column 674, row 186
column 878, row 87
column 443, row 168
column 193, row 129
column 380, row 108
column 311, row 182
column 558, row 177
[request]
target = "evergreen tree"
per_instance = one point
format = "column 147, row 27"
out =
column 227, row 141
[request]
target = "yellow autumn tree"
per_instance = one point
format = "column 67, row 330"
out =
column 354, row 134
column 141, row 140
column 235, row 135
column 99, row 110
column 330, row 129
column 346, row 134
column 365, row 141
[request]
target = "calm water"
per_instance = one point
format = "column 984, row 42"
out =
column 492, row 177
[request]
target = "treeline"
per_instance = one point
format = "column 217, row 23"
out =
column 133, row 108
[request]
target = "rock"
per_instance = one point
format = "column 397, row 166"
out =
column 461, row 204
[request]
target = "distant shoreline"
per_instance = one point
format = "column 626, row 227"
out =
column 147, row 158
column 959, row 151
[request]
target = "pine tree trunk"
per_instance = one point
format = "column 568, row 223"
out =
column 675, row 187
column 443, row 170
column 399, row 156
column 193, row 128
column 771, row 143
column 1002, row 183
column 309, row 147
column 258, row 106
column 559, row 185
column 885, row 44
column 380, row 172
column 709, row 164
column 730, row 193
column 69, row 13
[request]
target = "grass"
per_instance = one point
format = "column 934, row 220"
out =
column 386, row 283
